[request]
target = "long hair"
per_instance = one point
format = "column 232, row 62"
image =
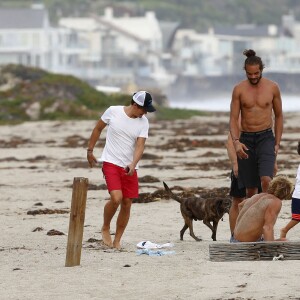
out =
column 280, row 187
column 252, row 59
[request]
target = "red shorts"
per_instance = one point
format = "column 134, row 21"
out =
column 116, row 179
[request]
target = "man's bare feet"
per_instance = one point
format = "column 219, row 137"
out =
column 117, row 245
column 106, row 238
column 283, row 233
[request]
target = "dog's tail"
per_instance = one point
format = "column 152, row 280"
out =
column 171, row 194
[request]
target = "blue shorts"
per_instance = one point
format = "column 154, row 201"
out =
column 261, row 160
column 233, row 240
column 296, row 209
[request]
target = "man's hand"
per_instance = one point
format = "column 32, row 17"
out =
column 240, row 149
column 91, row 159
column 275, row 169
column 276, row 149
column 130, row 170
column 235, row 169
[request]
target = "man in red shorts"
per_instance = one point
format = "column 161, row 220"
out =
column 127, row 131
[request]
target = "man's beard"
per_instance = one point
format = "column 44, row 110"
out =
column 257, row 80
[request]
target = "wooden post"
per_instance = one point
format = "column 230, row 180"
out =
column 77, row 214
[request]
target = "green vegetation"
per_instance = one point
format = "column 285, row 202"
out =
column 12, row 111
column 39, row 95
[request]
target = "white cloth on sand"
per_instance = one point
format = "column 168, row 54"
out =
column 150, row 245
column 154, row 252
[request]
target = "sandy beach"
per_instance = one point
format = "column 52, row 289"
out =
column 38, row 162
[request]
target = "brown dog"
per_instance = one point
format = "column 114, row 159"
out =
column 196, row 208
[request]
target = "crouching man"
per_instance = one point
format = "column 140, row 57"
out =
column 258, row 214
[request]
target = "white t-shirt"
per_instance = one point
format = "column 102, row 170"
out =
column 296, row 193
column 121, row 136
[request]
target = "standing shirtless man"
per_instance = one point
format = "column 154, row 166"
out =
column 255, row 100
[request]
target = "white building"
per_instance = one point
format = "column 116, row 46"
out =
column 219, row 51
column 140, row 50
column 121, row 50
column 27, row 38
column 83, row 54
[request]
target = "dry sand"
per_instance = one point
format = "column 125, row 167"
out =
column 38, row 162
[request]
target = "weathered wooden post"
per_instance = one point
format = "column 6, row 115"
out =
column 77, row 214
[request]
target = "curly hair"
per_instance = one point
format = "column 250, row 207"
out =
column 281, row 187
column 252, row 59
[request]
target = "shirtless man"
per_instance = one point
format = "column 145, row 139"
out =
column 255, row 99
column 237, row 194
column 257, row 215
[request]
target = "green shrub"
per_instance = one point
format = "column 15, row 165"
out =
column 70, row 98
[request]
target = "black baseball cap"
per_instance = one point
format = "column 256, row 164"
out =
column 144, row 99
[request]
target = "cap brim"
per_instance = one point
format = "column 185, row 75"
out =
column 150, row 108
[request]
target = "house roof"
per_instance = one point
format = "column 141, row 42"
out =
column 143, row 28
column 168, row 30
column 22, row 18
column 86, row 24
column 104, row 22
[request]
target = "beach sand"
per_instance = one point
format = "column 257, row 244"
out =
column 39, row 161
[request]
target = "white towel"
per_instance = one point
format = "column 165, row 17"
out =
column 154, row 252
column 150, row 245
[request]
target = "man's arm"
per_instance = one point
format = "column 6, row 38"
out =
column 232, row 155
column 137, row 155
column 271, row 215
column 275, row 168
column 93, row 140
column 231, row 150
column 234, row 115
column 278, row 126
column 235, row 111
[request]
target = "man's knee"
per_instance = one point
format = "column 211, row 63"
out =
column 126, row 203
column 265, row 181
column 251, row 192
column 235, row 202
column 116, row 197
